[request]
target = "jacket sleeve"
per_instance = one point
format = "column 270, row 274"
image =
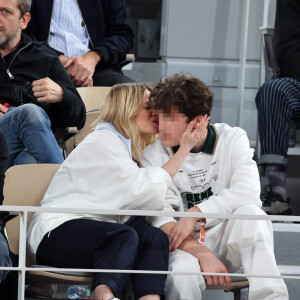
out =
column 119, row 35
column 172, row 201
column 100, row 174
column 287, row 37
column 134, row 187
column 244, row 187
column 70, row 111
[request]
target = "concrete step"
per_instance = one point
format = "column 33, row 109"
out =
column 286, row 248
column 287, row 244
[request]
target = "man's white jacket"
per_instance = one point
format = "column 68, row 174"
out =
column 219, row 179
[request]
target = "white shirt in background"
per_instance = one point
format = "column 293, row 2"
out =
column 67, row 33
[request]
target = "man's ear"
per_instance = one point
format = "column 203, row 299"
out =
column 197, row 120
column 24, row 21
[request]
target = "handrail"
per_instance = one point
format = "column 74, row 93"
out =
column 147, row 213
column 22, row 211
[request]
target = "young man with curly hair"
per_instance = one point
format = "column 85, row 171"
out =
column 217, row 176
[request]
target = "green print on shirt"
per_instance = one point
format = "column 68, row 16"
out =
column 193, row 199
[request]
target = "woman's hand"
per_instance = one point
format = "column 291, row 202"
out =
column 184, row 228
column 195, row 133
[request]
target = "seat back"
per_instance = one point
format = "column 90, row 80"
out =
column 25, row 185
column 271, row 66
column 91, row 117
column 93, row 97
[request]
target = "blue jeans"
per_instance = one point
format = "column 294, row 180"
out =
column 4, row 257
column 29, row 137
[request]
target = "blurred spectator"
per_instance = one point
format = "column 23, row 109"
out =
column 5, row 260
column 3, row 162
column 36, row 93
column 91, row 37
column 278, row 102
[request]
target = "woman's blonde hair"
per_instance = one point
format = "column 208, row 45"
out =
column 121, row 105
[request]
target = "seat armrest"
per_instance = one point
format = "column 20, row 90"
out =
column 6, row 216
column 64, row 133
column 128, row 59
column 270, row 57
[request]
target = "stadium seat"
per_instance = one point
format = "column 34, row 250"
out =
column 93, row 98
column 237, row 283
column 32, row 182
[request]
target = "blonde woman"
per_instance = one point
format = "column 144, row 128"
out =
column 103, row 173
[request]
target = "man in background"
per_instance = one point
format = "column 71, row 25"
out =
column 36, row 93
column 278, row 102
column 91, row 37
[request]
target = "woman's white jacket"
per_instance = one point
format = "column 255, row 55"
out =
column 100, row 174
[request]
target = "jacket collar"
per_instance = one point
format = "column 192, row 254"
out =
column 106, row 125
column 211, row 140
column 25, row 39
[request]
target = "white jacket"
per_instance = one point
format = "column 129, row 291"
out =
column 99, row 174
column 219, row 179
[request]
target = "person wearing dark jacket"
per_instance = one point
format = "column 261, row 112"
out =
column 5, row 260
column 36, row 93
column 278, row 102
column 91, row 37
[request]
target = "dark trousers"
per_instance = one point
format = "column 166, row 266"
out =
column 5, row 260
column 84, row 243
column 278, row 102
column 109, row 77
column 3, row 162
column 8, row 287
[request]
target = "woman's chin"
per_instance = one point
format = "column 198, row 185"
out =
column 147, row 134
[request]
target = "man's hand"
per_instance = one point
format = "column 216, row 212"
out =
column 182, row 229
column 208, row 261
column 46, row 90
column 3, row 110
column 63, row 59
column 81, row 68
column 211, row 264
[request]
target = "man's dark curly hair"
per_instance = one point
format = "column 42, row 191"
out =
column 189, row 94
